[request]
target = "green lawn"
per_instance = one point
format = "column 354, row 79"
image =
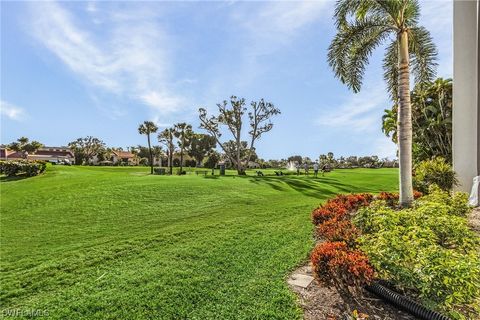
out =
column 117, row 243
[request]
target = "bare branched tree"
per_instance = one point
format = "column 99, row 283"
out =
column 231, row 114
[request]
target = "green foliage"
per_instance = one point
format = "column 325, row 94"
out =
column 428, row 249
column 15, row 167
column 436, row 171
column 431, row 119
column 200, row 146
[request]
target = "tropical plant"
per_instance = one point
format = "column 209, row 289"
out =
column 183, row 132
column 167, row 137
column 436, row 171
column 231, row 115
column 146, row 128
column 431, row 120
column 25, row 146
column 362, row 26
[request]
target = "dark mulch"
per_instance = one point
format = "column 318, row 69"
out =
column 323, row 302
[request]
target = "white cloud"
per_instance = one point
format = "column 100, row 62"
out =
column 359, row 113
column 11, row 111
column 131, row 60
column 277, row 23
column 91, row 6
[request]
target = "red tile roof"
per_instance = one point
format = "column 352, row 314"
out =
column 123, row 154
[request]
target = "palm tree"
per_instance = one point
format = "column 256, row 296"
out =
column 146, row 128
column 362, row 26
column 166, row 137
column 184, row 133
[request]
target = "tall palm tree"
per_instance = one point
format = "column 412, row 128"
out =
column 184, row 133
column 166, row 137
column 146, row 128
column 362, row 26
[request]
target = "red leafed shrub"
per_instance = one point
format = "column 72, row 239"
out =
column 340, row 206
column 417, row 194
column 330, row 210
column 334, row 262
column 392, row 197
column 338, row 230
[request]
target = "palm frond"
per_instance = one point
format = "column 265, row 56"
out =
column 357, row 9
column 390, row 69
column 350, row 49
column 423, row 54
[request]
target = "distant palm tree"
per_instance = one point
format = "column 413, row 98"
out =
column 146, row 128
column 166, row 137
column 362, row 26
column 183, row 132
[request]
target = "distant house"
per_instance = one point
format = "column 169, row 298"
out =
column 6, row 154
column 124, row 157
column 50, row 154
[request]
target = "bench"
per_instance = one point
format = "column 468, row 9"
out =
column 204, row 172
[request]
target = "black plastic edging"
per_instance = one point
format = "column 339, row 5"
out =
column 405, row 303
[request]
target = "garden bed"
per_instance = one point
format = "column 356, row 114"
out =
column 323, row 302
column 427, row 252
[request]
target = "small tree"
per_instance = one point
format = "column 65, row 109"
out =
column 183, row 132
column 200, row 146
column 166, row 137
column 25, row 146
column 85, row 148
column 231, row 115
column 213, row 157
column 146, row 128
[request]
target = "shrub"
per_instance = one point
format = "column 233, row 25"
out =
column 338, row 230
column 391, row 198
column 339, row 207
column 29, row 168
column 428, row 248
column 328, row 211
column 456, row 203
column 435, row 171
column 334, row 263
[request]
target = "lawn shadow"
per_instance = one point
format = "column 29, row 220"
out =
column 319, row 188
column 211, row 177
column 4, row 179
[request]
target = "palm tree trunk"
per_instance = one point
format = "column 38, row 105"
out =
column 181, row 160
column 404, row 123
column 151, row 155
column 171, row 159
column 239, row 161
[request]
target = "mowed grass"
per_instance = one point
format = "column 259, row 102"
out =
column 118, row 243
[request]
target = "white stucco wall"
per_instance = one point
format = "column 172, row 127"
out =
column 465, row 92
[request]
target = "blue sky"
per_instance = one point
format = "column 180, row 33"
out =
column 72, row 69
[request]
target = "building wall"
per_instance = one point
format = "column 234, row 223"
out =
column 466, row 134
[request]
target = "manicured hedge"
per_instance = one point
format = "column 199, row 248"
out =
column 15, row 167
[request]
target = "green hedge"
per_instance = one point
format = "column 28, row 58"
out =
column 15, row 167
column 428, row 249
